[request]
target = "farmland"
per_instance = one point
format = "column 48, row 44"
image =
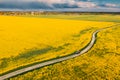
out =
column 101, row 62
column 27, row 40
column 88, row 17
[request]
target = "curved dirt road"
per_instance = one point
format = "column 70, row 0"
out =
column 20, row 71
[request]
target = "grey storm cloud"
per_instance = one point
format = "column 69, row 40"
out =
column 44, row 4
column 54, row 4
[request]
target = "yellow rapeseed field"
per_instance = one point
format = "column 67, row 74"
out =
column 27, row 40
column 102, row 62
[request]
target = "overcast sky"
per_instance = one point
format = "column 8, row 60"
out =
column 61, row 5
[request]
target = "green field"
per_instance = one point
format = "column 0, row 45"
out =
column 107, row 18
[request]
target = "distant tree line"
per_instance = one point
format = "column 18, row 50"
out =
column 14, row 13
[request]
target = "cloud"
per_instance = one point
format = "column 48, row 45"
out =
column 55, row 1
column 111, row 5
column 44, row 4
column 86, row 4
column 70, row 3
column 55, row 4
